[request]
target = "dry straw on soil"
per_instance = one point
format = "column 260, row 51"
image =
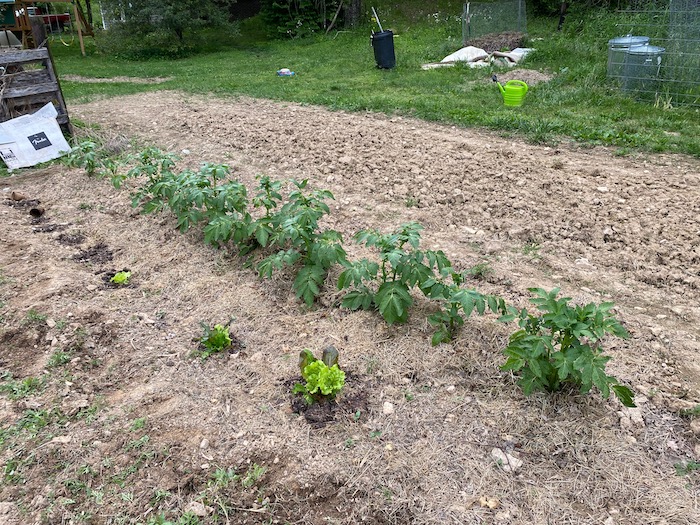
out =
column 420, row 450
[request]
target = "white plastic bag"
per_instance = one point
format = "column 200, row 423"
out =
column 31, row 139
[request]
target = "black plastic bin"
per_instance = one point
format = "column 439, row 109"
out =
column 383, row 44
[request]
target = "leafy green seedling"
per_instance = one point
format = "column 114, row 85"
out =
column 215, row 339
column 121, row 278
column 683, row 469
column 324, row 379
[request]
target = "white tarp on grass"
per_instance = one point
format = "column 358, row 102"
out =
column 477, row 57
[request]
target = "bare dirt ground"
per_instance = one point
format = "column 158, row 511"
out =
column 127, row 425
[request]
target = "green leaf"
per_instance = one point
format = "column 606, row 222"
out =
column 328, row 249
column 492, row 303
column 564, row 363
column 393, row 301
column 625, row 395
column 308, row 282
column 441, row 336
column 535, row 368
column 358, row 299
column 305, row 359
column 121, row 277
column 529, row 382
column 323, row 380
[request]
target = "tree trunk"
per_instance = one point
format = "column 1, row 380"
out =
column 353, row 12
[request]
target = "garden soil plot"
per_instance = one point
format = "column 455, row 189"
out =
column 121, row 424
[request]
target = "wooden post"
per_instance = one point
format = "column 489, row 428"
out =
column 38, row 31
column 80, row 31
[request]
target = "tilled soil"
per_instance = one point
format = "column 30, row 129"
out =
column 128, row 425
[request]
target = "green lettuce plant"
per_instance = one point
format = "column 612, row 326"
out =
column 214, row 340
column 324, row 379
column 121, row 278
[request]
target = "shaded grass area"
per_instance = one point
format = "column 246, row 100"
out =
column 339, row 71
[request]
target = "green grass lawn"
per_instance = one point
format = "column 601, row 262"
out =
column 339, row 71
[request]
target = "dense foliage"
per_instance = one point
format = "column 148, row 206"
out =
column 298, row 18
column 158, row 28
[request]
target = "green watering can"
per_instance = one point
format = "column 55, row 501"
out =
column 513, row 92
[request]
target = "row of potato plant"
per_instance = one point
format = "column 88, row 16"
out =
column 558, row 345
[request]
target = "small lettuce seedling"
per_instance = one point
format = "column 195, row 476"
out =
column 121, row 278
column 324, row 379
column 214, row 340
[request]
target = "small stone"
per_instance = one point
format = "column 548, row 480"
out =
column 199, row 509
column 61, row 440
column 507, row 462
column 582, row 262
column 695, row 426
column 204, row 444
column 679, row 311
column 493, row 247
column 635, row 417
column 491, row 503
column 50, row 323
column 91, row 287
column 388, row 408
column 451, row 388
column 602, row 189
column 389, row 447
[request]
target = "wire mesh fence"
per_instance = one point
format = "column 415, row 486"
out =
column 486, row 18
column 665, row 69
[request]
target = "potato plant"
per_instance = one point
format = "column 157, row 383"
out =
column 386, row 285
column 562, row 345
column 458, row 304
column 295, row 231
column 87, row 155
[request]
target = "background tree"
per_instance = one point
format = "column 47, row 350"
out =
column 353, row 12
column 298, row 18
column 159, row 27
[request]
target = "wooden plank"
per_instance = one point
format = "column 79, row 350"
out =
column 80, row 31
column 23, row 78
column 24, row 55
column 26, row 91
column 62, row 109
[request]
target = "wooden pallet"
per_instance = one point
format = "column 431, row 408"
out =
column 27, row 83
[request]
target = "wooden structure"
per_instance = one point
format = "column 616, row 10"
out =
column 27, row 83
column 23, row 22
